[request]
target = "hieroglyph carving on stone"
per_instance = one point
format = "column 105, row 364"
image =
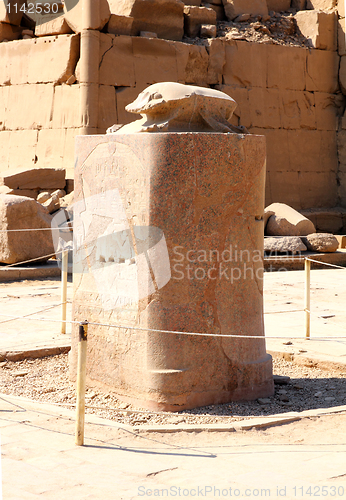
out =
column 174, row 107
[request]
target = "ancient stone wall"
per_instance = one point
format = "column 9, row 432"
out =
column 292, row 95
column 287, row 94
column 37, row 122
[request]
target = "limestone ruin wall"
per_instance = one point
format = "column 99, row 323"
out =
column 292, row 95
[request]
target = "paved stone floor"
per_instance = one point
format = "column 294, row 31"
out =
column 298, row 460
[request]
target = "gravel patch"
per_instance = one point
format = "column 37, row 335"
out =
column 46, row 380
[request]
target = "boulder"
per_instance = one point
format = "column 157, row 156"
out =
column 19, row 212
column 164, row 17
column 195, row 17
column 321, row 242
column 287, row 222
column 234, row 8
column 34, row 178
column 285, row 244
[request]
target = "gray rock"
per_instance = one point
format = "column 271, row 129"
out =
column 321, row 242
column 285, row 244
column 263, row 401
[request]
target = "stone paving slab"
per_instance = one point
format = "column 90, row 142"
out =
column 40, row 460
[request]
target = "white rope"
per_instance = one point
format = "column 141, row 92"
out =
column 325, row 263
column 215, row 335
column 31, row 260
column 27, row 315
column 69, row 228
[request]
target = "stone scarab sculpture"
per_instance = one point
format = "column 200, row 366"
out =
column 174, row 107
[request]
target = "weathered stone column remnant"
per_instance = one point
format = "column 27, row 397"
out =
column 169, row 236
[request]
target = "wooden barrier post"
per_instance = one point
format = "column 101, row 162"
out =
column 81, row 375
column 64, row 269
column 307, row 266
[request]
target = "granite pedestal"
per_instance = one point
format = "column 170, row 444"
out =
column 169, row 236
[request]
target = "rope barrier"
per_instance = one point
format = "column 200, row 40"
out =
column 30, row 314
column 325, row 263
column 32, row 260
column 123, row 327
column 69, row 228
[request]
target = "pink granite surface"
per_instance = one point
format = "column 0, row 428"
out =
column 197, row 269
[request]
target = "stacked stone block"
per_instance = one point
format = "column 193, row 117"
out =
column 290, row 94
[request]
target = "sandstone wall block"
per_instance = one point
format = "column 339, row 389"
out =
column 120, row 25
column 40, row 98
column 194, row 17
column 234, row 8
column 286, row 67
column 325, row 5
column 66, row 110
column 154, row 61
column 327, row 220
column 297, row 110
column 320, row 28
column 21, row 149
column 321, row 242
column 242, row 112
column 341, row 36
column 36, row 178
column 192, row 63
column 285, row 244
column 218, row 8
column 298, row 4
column 278, row 5
column 9, row 32
column 322, row 68
column 19, row 212
column 57, row 26
column 116, row 61
column 99, row 18
column 252, row 74
column 50, row 149
column 328, row 109
column 287, row 222
column 10, row 11
column 107, row 114
column 217, row 60
column 39, row 60
column 342, row 74
column 164, row 17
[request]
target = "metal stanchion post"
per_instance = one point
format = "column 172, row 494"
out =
column 64, row 269
column 307, row 266
column 81, row 375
